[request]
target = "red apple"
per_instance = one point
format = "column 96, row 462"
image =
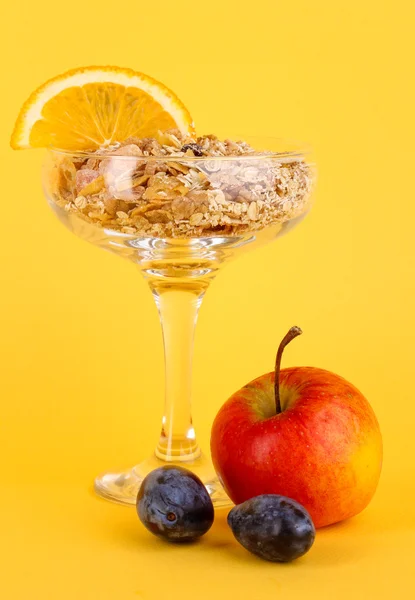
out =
column 301, row 432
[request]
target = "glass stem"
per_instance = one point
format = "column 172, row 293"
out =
column 178, row 309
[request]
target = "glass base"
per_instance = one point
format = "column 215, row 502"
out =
column 122, row 487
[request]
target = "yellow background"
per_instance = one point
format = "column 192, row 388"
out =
column 81, row 352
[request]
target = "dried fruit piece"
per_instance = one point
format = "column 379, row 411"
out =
column 84, row 177
column 195, row 148
column 94, row 187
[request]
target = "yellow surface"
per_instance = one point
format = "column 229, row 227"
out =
column 81, row 352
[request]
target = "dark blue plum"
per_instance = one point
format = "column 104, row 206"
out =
column 273, row 527
column 174, row 504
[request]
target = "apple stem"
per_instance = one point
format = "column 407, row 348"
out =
column 292, row 333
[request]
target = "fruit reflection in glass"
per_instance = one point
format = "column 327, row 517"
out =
column 179, row 219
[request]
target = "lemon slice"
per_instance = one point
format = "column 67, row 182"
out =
column 91, row 107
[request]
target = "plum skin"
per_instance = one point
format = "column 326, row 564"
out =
column 173, row 504
column 273, row 527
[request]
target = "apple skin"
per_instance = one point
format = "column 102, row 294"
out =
column 324, row 449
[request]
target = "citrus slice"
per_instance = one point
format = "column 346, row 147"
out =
column 95, row 106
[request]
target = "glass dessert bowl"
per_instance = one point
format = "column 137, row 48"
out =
column 180, row 209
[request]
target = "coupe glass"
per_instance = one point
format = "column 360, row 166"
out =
column 179, row 268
